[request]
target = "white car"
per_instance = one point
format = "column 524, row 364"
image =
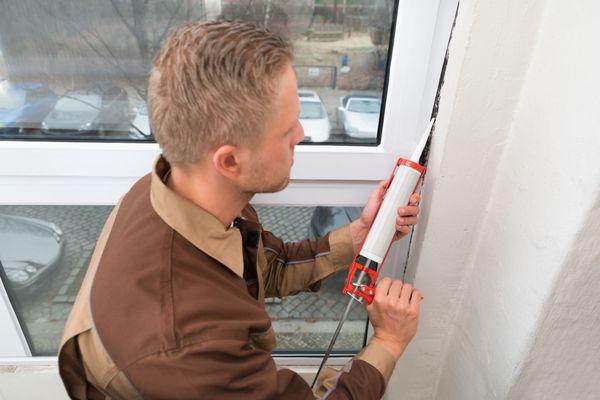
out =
column 359, row 116
column 87, row 112
column 73, row 113
column 313, row 117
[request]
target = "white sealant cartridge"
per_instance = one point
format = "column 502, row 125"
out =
column 402, row 185
column 404, row 182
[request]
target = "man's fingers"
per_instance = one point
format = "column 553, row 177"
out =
column 414, row 199
column 377, row 194
column 415, row 300
column 408, row 211
column 406, row 221
column 381, row 188
column 382, row 288
column 395, row 289
column 407, row 290
column 402, row 230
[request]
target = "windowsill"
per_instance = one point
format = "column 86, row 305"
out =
column 291, row 362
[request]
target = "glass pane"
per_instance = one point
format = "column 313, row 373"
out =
column 306, row 321
column 45, row 252
column 77, row 69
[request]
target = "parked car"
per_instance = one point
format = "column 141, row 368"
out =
column 24, row 106
column 359, row 115
column 73, row 113
column 87, row 112
column 313, row 117
column 140, row 126
column 115, row 115
column 326, row 219
column 30, row 249
column 323, row 221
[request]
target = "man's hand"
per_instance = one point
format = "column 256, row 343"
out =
column 407, row 216
column 394, row 314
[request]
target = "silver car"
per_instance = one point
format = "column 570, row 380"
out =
column 30, row 249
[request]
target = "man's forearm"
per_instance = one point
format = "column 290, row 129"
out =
column 358, row 231
column 296, row 267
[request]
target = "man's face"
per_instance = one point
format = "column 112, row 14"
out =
column 266, row 167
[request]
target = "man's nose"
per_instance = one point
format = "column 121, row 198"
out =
column 300, row 136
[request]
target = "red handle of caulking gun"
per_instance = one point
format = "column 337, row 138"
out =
column 367, row 292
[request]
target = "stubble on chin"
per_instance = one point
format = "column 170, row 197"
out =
column 265, row 187
column 284, row 184
column 276, row 188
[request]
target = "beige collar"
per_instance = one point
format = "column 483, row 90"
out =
column 198, row 226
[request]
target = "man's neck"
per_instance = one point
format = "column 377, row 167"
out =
column 209, row 193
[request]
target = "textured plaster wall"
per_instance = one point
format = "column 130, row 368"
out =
column 563, row 362
column 508, row 255
column 489, row 57
column 545, row 189
column 559, row 111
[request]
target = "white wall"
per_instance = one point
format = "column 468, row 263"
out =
column 508, row 255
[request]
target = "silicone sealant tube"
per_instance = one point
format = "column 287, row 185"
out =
column 398, row 194
column 360, row 283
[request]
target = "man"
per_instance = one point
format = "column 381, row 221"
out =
column 172, row 306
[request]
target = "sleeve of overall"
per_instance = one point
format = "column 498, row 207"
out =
column 233, row 369
column 364, row 377
column 300, row 266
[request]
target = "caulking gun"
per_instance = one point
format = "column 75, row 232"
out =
column 362, row 276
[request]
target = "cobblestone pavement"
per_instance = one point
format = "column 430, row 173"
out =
column 45, row 312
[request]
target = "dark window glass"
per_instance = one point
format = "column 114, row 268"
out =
column 77, row 69
column 45, row 252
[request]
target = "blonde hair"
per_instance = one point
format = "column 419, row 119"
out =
column 213, row 84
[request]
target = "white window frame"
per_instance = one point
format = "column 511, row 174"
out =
column 82, row 173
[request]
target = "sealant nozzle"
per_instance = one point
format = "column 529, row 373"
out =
column 421, row 145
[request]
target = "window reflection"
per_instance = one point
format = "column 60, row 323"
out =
column 358, row 114
column 45, row 252
column 313, row 117
column 77, row 69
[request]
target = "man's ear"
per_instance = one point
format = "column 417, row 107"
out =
column 226, row 160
